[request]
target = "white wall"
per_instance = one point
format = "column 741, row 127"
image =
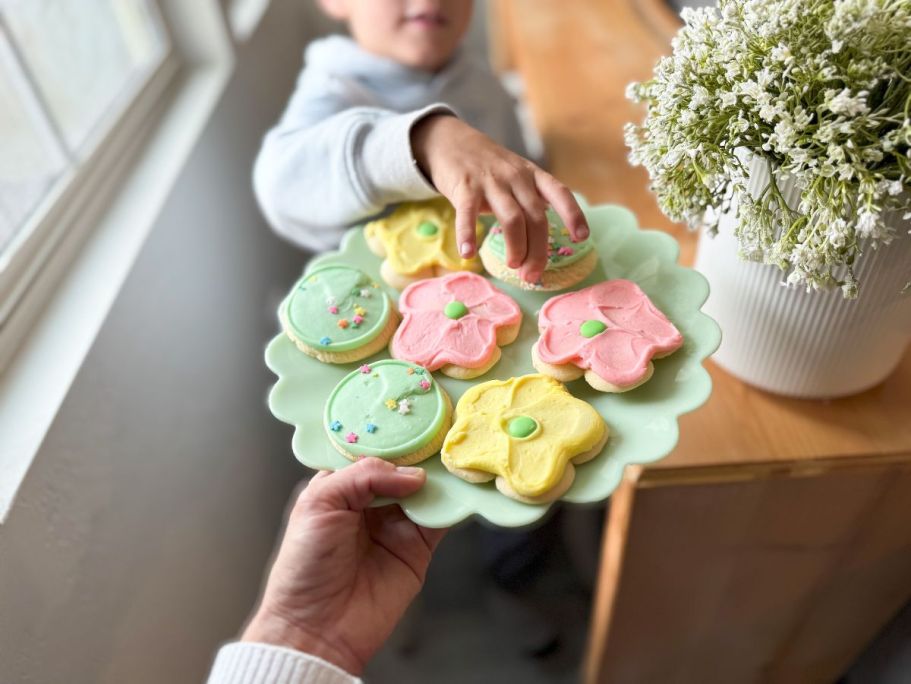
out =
column 138, row 539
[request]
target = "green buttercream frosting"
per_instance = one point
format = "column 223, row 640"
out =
column 428, row 228
column 521, row 427
column 344, row 290
column 365, row 397
column 455, row 310
column 558, row 239
column 591, row 328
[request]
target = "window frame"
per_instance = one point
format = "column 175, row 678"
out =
column 87, row 183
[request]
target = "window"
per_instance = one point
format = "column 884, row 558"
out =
column 71, row 72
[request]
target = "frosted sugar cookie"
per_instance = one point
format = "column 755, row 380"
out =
column 568, row 262
column 526, row 432
column 456, row 323
column 609, row 332
column 391, row 409
column 338, row 314
column 418, row 241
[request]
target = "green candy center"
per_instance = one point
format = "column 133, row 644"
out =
column 521, row 427
column 427, row 229
column 455, row 310
column 592, row 328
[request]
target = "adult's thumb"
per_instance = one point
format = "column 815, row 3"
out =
column 354, row 487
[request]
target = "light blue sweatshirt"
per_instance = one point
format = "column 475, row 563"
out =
column 341, row 152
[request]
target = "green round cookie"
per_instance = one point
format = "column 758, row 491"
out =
column 382, row 409
column 336, row 308
column 558, row 239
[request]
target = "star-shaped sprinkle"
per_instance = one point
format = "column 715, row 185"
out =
column 419, row 371
column 331, row 301
column 410, row 371
column 425, row 385
column 365, row 369
column 357, row 320
column 343, row 323
column 404, row 407
column 365, row 293
column 325, row 341
column 391, row 404
column 335, row 425
column 360, row 311
column 332, row 309
column 371, row 428
column 351, row 437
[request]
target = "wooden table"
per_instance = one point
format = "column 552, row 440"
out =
column 775, row 541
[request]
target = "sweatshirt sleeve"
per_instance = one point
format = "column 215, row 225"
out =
column 252, row 663
column 314, row 178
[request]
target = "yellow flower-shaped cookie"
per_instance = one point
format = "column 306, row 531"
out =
column 526, row 432
column 418, row 241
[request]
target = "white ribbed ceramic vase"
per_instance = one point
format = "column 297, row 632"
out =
column 811, row 345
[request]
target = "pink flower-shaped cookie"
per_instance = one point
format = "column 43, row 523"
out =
column 456, row 323
column 610, row 332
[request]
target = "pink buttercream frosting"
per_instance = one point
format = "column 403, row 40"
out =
column 635, row 331
column 431, row 339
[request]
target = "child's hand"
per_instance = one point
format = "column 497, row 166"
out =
column 477, row 175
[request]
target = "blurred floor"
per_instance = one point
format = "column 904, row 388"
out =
column 454, row 634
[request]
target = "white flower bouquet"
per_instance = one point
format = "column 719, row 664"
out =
column 818, row 90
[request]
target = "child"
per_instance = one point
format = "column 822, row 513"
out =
column 398, row 112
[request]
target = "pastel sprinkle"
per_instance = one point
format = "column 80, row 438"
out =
column 404, row 407
column 365, row 293
column 351, row 438
column 335, row 425
column 425, row 385
column 360, row 311
column 391, row 404
column 357, row 320
column 565, row 251
column 343, row 323
column 410, row 371
column 419, row 371
column 365, row 369
column 371, row 428
column 324, row 341
column 333, row 309
column 331, row 301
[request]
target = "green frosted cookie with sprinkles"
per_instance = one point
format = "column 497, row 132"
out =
column 338, row 314
column 390, row 409
column 568, row 262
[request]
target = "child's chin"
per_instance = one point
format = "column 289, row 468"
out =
column 427, row 59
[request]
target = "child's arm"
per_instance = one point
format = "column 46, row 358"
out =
column 477, row 175
column 328, row 165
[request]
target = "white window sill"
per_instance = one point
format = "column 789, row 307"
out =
column 34, row 384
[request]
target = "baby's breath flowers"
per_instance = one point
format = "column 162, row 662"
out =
column 817, row 91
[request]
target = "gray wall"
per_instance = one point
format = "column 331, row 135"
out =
column 138, row 539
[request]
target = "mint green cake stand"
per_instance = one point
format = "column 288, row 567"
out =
column 643, row 421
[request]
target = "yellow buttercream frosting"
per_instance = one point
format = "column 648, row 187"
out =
column 410, row 249
column 533, row 458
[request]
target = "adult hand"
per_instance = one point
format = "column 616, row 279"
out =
column 345, row 573
column 476, row 175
